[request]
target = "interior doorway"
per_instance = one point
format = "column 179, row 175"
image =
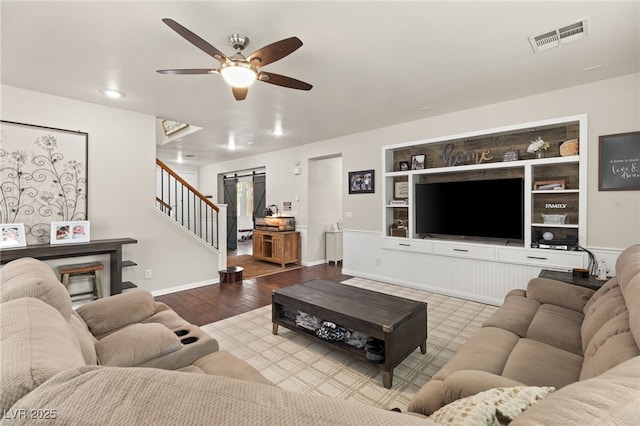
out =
column 326, row 185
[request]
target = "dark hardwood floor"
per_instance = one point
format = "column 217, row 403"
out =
column 204, row 305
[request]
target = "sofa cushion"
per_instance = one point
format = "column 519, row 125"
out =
column 612, row 398
column 36, row 343
column 628, row 265
column 557, row 326
column 111, row 313
column 606, row 306
column 538, row 364
column 609, row 285
column 612, row 345
column 28, row 277
column 487, row 350
column 631, row 292
column 515, row 315
column 85, row 339
column 558, row 293
column 493, row 407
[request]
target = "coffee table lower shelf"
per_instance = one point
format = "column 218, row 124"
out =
column 351, row 350
column 400, row 324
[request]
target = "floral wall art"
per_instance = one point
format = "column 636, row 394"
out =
column 43, row 174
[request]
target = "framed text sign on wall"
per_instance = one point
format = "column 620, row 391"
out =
column 619, row 167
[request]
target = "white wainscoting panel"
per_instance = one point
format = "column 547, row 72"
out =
column 369, row 255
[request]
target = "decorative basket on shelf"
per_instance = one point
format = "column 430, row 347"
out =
column 554, row 219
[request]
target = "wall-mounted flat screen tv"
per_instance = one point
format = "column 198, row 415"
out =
column 491, row 209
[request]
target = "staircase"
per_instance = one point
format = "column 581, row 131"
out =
column 187, row 207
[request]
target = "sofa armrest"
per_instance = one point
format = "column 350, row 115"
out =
column 559, row 293
column 111, row 313
column 516, row 292
column 136, row 344
column 435, row 394
column 464, row 383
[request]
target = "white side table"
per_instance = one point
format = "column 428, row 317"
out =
column 333, row 246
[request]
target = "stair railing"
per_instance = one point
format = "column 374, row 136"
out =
column 186, row 205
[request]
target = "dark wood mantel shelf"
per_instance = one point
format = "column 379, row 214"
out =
column 112, row 247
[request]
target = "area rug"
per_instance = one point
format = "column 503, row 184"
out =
column 257, row 268
column 304, row 364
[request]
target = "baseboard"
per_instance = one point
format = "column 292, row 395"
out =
column 184, row 287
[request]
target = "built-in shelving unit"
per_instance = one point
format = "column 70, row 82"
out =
column 495, row 154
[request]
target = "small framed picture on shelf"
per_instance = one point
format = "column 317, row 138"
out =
column 404, row 166
column 548, row 185
column 418, row 161
column 510, row 156
column 401, row 190
column 12, row 235
column 70, row 232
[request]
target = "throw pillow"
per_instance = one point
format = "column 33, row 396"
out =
column 498, row 406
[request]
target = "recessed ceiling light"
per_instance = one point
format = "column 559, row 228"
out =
column 595, row 67
column 424, row 108
column 111, row 93
column 250, row 142
column 278, row 132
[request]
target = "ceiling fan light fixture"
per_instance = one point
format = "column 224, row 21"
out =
column 238, row 74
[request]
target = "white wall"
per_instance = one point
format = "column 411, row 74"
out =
column 121, row 187
column 613, row 106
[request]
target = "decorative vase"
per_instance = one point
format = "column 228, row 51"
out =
column 540, row 154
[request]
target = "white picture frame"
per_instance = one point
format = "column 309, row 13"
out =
column 70, row 232
column 12, row 235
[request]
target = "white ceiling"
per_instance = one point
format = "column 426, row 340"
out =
column 372, row 64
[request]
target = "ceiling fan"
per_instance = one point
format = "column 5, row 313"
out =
column 237, row 70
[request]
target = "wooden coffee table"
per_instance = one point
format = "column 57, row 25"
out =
column 400, row 323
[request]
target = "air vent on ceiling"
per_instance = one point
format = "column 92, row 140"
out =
column 559, row 36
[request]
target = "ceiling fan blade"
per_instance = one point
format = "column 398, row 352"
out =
column 284, row 81
column 196, row 40
column 240, row 93
column 274, row 51
column 189, row 71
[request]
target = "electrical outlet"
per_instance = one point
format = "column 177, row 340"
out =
column 147, row 274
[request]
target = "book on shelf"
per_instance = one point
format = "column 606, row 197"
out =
column 398, row 202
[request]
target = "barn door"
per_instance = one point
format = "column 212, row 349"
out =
column 230, row 199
